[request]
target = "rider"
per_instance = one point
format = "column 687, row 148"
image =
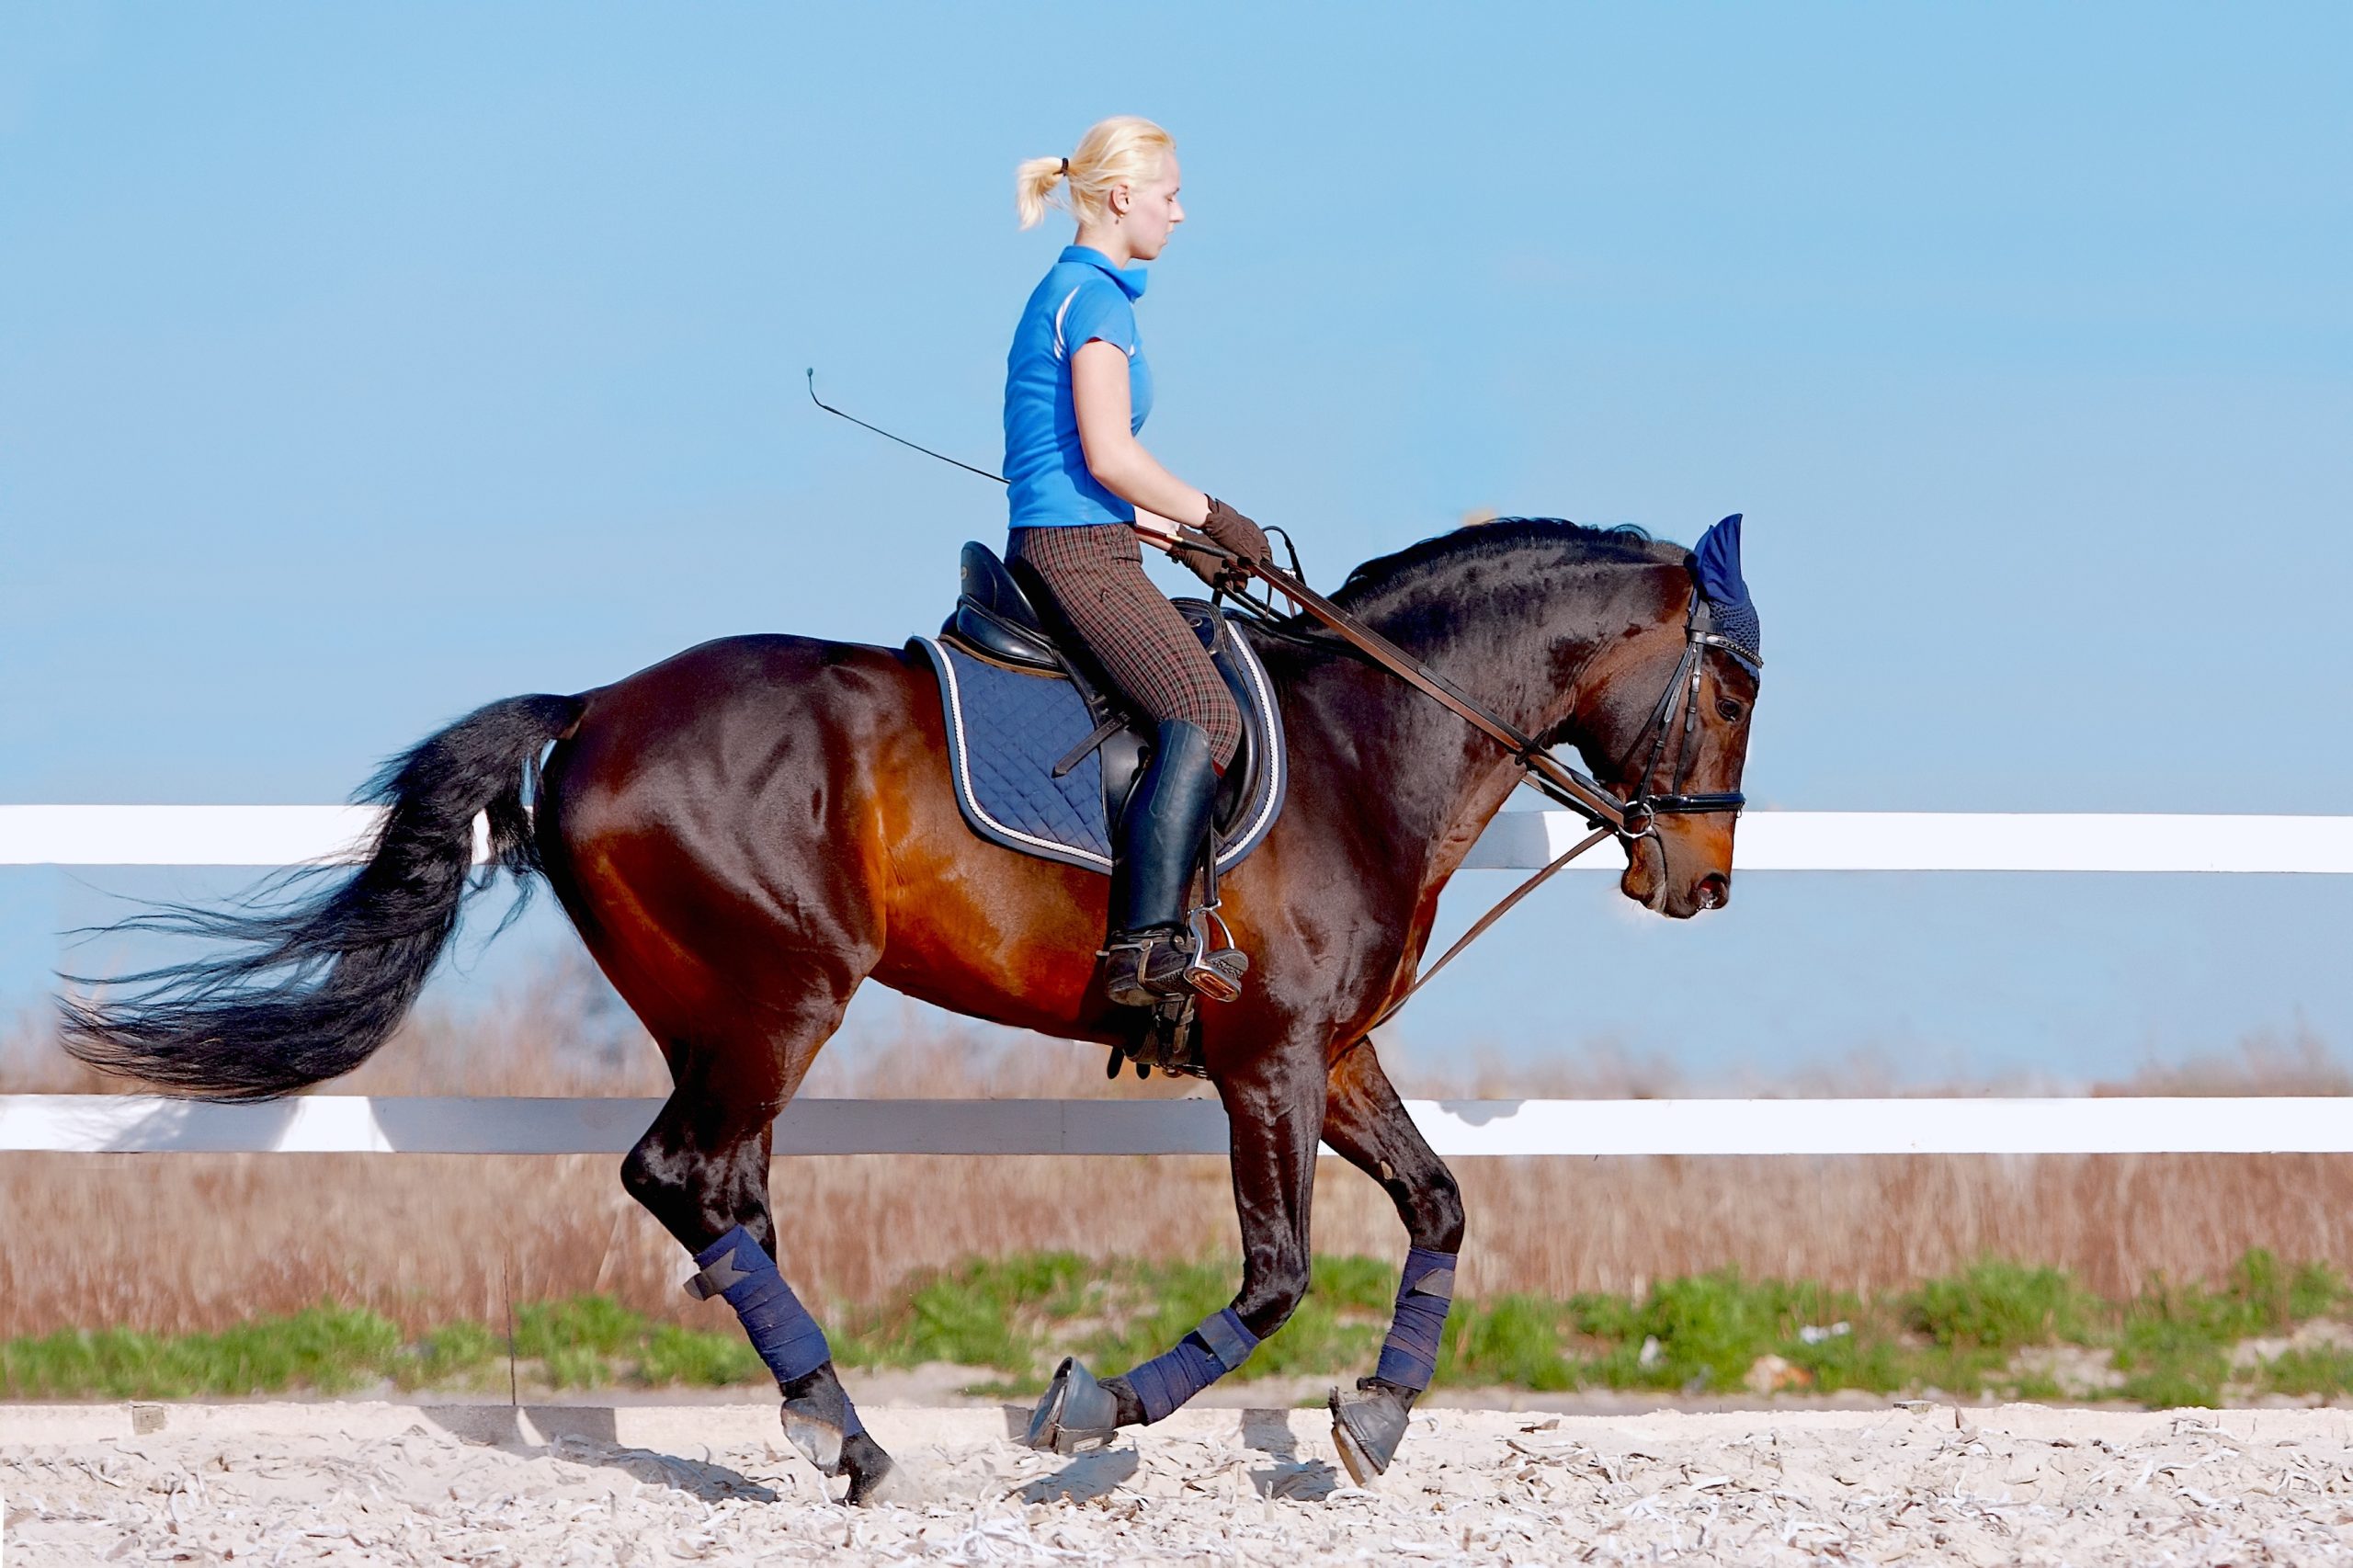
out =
column 1083, row 491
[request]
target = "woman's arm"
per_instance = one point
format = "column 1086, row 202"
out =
column 1099, row 393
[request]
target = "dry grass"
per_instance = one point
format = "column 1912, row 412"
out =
column 194, row 1242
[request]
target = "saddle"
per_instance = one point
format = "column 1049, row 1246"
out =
column 1043, row 756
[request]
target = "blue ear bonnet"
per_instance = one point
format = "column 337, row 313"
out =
column 1715, row 565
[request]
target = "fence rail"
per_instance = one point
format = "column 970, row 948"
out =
column 1768, row 841
column 359, row 1124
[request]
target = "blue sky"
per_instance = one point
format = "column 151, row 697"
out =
column 361, row 364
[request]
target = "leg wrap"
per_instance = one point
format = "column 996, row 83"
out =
column 1409, row 1356
column 737, row 1268
column 1202, row 1357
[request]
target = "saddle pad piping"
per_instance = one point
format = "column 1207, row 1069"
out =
column 1271, row 797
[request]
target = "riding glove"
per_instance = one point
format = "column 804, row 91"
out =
column 1236, row 533
column 1233, row 533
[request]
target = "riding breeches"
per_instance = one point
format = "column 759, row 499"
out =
column 1136, row 636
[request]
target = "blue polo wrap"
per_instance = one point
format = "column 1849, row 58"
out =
column 1409, row 1356
column 1167, row 1381
column 738, row 1270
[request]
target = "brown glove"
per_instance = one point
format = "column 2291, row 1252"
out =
column 1237, row 534
column 1232, row 532
column 1202, row 562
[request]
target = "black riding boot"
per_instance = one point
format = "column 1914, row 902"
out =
column 1161, row 831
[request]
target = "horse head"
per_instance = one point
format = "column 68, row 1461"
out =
column 1666, row 727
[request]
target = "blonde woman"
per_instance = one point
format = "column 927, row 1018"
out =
column 1085, row 492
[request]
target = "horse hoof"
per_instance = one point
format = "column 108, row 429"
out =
column 873, row 1478
column 1075, row 1413
column 814, row 1424
column 1367, row 1426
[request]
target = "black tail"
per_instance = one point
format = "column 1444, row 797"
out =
column 312, row 987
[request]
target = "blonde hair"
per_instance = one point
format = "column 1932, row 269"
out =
column 1123, row 149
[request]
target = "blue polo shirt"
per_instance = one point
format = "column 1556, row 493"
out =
column 1084, row 297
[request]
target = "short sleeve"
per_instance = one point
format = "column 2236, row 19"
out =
column 1096, row 308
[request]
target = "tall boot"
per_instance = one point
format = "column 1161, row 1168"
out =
column 1160, row 836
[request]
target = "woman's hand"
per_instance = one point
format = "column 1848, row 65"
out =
column 1236, row 534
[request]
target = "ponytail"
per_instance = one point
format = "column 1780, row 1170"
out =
column 1032, row 183
column 1124, row 150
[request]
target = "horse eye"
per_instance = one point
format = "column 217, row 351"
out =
column 1728, row 710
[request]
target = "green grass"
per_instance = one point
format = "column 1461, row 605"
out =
column 1010, row 1317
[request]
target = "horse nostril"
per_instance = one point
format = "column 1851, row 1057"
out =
column 1716, row 891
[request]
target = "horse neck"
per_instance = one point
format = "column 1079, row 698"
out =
column 1518, row 644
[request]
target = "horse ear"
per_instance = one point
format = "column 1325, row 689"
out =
column 1715, row 562
column 1715, row 566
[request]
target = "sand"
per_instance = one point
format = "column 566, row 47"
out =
column 393, row 1485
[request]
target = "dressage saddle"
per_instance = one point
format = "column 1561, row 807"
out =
column 997, row 618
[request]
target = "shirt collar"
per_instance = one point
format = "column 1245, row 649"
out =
column 1130, row 279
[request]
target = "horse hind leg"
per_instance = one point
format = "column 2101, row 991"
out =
column 1366, row 1123
column 702, row 1170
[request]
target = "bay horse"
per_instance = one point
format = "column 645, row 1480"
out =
column 746, row 832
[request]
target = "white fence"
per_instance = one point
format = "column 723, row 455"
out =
column 357, row 1124
column 1768, row 841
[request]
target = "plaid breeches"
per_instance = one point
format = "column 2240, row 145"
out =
column 1134, row 635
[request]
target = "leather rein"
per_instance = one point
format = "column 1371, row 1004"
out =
column 1626, row 818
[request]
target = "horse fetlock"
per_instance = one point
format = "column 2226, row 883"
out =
column 873, row 1477
column 1367, row 1423
column 1074, row 1415
column 1125, row 1401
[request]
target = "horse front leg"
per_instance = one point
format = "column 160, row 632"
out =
column 1366, row 1124
column 1273, row 1110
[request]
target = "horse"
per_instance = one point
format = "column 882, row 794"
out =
column 746, row 832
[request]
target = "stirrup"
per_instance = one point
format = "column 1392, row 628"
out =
column 1216, row 970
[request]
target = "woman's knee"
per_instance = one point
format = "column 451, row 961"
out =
column 1222, row 719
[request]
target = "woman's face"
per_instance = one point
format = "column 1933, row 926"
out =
column 1150, row 210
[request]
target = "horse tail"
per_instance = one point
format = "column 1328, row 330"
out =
column 312, row 986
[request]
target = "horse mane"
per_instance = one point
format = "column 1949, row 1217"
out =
column 1402, row 571
column 1575, row 543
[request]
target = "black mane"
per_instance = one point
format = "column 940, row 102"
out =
column 1505, row 536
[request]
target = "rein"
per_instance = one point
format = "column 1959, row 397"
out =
column 1628, row 819
column 1608, row 815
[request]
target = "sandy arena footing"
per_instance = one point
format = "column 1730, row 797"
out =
column 492, row 1485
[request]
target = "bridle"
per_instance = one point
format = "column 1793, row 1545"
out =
column 1628, row 818
column 1683, row 689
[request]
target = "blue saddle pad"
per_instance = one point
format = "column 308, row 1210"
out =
column 1008, row 728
